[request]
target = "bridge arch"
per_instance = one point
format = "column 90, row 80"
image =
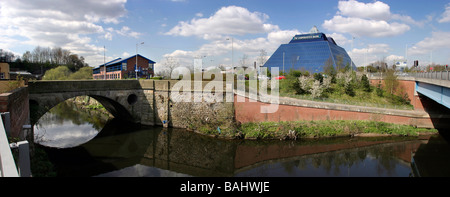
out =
column 117, row 106
column 122, row 98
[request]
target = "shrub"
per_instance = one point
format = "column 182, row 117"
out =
column 316, row 89
column 379, row 89
column 318, row 77
column 365, row 84
column 349, row 89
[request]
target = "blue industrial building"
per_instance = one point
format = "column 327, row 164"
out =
column 310, row 52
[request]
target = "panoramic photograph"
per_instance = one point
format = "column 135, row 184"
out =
column 223, row 94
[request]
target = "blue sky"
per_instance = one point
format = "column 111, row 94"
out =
column 186, row 29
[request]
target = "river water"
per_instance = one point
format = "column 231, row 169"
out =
column 87, row 143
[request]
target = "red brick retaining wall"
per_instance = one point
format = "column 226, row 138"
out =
column 249, row 111
column 17, row 104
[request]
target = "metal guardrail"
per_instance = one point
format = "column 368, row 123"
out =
column 442, row 75
column 8, row 166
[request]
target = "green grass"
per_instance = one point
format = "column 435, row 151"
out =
column 333, row 128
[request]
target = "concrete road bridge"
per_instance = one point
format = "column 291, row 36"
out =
column 434, row 85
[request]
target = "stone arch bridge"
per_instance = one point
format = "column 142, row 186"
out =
column 148, row 102
column 118, row 97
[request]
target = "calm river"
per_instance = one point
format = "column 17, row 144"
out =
column 87, row 143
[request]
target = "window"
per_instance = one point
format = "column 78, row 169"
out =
column 124, row 66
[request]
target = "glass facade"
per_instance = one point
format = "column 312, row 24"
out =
column 310, row 52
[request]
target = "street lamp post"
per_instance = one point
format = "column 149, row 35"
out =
column 232, row 53
column 136, row 66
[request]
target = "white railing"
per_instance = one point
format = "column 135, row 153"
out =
column 8, row 166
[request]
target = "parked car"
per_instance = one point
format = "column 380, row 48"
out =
column 280, row 77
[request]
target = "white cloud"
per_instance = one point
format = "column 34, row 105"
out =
column 63, row 23
column 339, row 39
column 217, row 29
column 372, row 53
column 369, row 19
column 377, row 10
column 199, row 15
column 446, row 15
column 230, row 20
column 223, row 47
column 126, row 31
column 364, row 27
column 125, row 54
column 391, row 59
column 437, row 41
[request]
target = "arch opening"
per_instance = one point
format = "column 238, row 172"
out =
column 70, row 124
column 38, row 107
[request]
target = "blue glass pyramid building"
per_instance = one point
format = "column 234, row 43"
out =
column 311, row 52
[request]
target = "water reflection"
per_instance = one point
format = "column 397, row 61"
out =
column 126, row 149
column 67, row 125
column 175, row 152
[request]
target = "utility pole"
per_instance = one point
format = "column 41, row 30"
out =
column 136, row 67
column 104, row 62
column 232, row 53
column 283, row 64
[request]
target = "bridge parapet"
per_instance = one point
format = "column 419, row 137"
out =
column 36, row 87
column 434, row 78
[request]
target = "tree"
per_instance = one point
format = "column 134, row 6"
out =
column 58, row 73
column 82, row 74
column 329, row 70
column 365, row 84
column 390, row 81
column 6, row 56
column 244, row 61
column 27, row 57
column 262, row 58
column 169, row 65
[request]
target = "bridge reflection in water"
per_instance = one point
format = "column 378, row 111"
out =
column 128, row 150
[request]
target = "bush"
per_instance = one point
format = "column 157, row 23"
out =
column 318, row 77
column 365, row 84
column 349, row 89
column 379, row 89
column 82, row 74
column 58, row 73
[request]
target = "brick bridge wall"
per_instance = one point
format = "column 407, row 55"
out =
column 16, row 102
column 409, row 86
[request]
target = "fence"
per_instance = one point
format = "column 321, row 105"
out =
column 442, row 75
column 7, row 163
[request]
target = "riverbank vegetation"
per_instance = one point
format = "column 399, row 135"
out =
column 294, row 130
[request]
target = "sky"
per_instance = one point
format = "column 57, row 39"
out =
column 222, row 31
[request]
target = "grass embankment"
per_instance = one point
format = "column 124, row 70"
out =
column 319, row 129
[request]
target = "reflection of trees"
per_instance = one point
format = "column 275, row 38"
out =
column 334, row 162
column 69, row 111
